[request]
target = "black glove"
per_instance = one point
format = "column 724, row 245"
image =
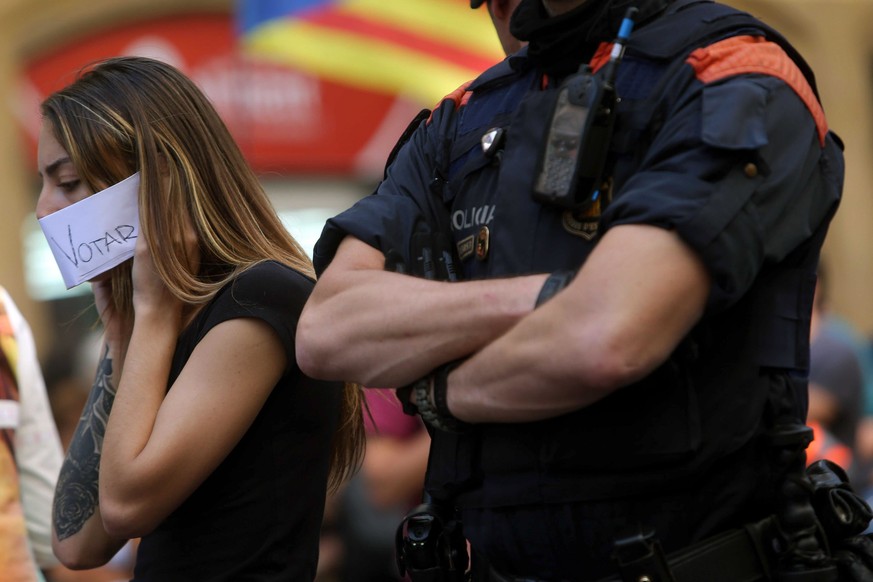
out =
column 841, row 512
column 431, row 257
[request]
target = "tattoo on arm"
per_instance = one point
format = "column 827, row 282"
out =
column 76, row 492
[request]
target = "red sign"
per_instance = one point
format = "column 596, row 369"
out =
column 284, row 120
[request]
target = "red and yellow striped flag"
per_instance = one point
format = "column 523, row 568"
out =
column 420, row 49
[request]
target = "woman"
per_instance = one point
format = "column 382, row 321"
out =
column 218, row 451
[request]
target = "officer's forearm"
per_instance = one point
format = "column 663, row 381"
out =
column 633, row 301
column 385, row 329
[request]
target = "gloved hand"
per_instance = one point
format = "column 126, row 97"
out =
column 431, row 257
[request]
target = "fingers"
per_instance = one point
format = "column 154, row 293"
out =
column 445, row 258
column 394, row 262
column 423, row 255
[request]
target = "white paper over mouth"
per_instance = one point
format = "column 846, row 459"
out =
column 95, row 234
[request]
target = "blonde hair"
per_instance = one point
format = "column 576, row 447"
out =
column 131, row 114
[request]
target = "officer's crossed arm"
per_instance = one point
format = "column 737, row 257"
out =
column 639, row 293
column 379, row 328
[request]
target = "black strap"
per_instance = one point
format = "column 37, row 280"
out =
column 554, row 282
column 405, row 136
column 738, row 555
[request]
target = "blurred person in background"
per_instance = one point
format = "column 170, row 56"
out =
column 836, row 381
column 201, row 435
column 30, row 453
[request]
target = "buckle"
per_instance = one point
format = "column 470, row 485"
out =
column 640, row 558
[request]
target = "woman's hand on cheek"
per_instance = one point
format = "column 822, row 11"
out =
column 151, row 296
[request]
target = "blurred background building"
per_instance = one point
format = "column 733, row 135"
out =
column 316, row 92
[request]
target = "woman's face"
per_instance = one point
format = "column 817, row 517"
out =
column 61, row 185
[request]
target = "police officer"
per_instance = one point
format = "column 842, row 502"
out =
column 612, row 361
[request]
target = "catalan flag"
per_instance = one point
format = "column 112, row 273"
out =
column 418, row 49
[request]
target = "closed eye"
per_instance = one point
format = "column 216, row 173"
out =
column 69, row 186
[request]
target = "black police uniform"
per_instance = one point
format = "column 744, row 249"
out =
column 734, row 155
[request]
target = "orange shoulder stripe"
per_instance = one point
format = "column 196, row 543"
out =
column 751, row 54
column 460, row 96
column 601, row 56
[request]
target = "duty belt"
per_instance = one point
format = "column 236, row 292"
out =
column 735, row 556
column 738, row 555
